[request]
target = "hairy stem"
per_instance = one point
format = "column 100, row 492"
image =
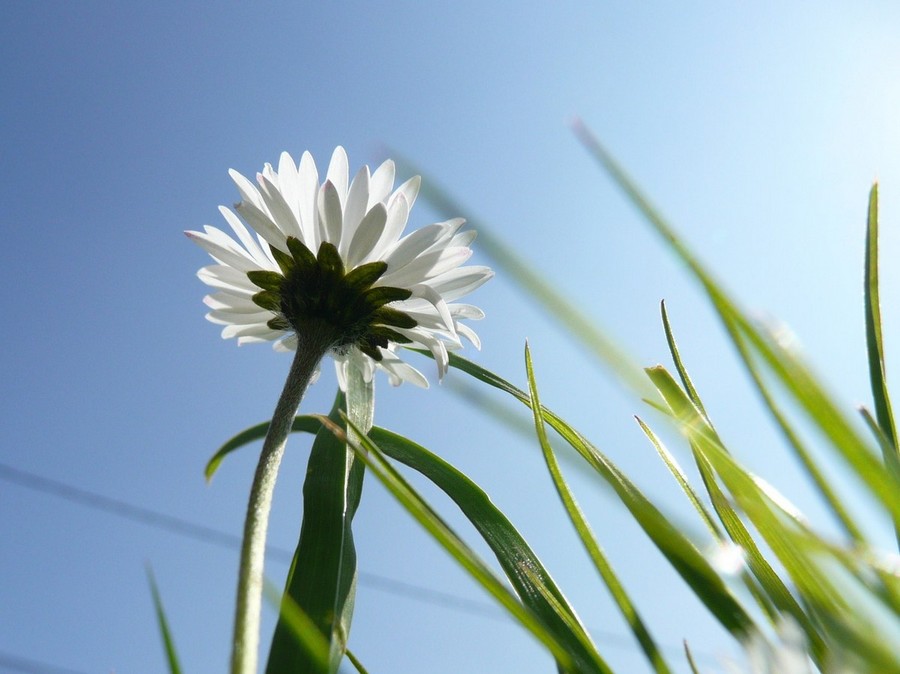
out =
column 245, row 645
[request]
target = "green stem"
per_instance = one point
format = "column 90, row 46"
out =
column 245, row 645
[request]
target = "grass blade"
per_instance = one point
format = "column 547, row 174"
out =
column 302, row 627
column 793, row 374
column 674, row 545
column 525, row 571
column 322, row 578
column 576, row 516
column 378, row 465
column 165, row 632
column 875, row 345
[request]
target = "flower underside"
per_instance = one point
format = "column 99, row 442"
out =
column 320, row 301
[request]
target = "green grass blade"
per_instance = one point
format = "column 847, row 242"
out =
column 690, row 659
column 676, row 358
column 356, row 663
column 301, row 626
column 379, row 466
column 525, row 571
column 674, row 545
column 681, row 479
column 754, row 501
column 322, row 577
column 576, row 516
column 164, row 631
column 883, row 410
column 875, row 345
column 828, row 493
column 793, row 374
column 302, row 423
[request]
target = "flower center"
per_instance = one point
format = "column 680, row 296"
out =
column 320, row 301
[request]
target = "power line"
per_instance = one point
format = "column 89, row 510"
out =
column 200, row 532
column 14, row 663
column 186, row 528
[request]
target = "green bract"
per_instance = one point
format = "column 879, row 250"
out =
column 317, row 299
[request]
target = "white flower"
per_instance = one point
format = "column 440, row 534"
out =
column 328, row 264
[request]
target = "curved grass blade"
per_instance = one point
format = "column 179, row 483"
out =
column 525, row 571
column 303, row 422
column 576, row 516
column 674, row 545
column 322, row 577
column 794, row 375
column 523, row 568
column 377, row 463
column 165, row 632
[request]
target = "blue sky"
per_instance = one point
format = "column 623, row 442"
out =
column 758, row 131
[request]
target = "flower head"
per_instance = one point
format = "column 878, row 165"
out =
column 328, row 268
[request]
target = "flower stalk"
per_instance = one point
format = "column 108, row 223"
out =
column 245, row 643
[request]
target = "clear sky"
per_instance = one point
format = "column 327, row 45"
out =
column 757, row 129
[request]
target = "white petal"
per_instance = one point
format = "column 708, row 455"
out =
column 400, row 371
column 223, row 301
column 411, row 245
column 289, row 183
column 355, row 208
column 245, row 237
column 247, row 189
column 434, row 297
column 397, row 215
column 216, row 243
column 367, row 235
column 227, row 279
column 469, row 334
column 262, row 224
column 308, row 180
column 225, row 317
column 410, row 190
column 330, row 215
column 460, row 281
column 281, row 212
column 339, row 173
column 426, row 266
column 253, row 330
column 382, row 183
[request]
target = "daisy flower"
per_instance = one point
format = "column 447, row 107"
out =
column 326, row 266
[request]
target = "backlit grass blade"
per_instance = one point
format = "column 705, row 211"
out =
column 793, row 374
column 828, row 493
column 875, row 345
column 753, row 500
column 322, row 577
column 674, row 545
column 409, row 498
column 576, row 516
column 525, row 571
column 513, row 553
column 676, row 358
column 776, row 594
column 883, row 411
column 164, row 631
